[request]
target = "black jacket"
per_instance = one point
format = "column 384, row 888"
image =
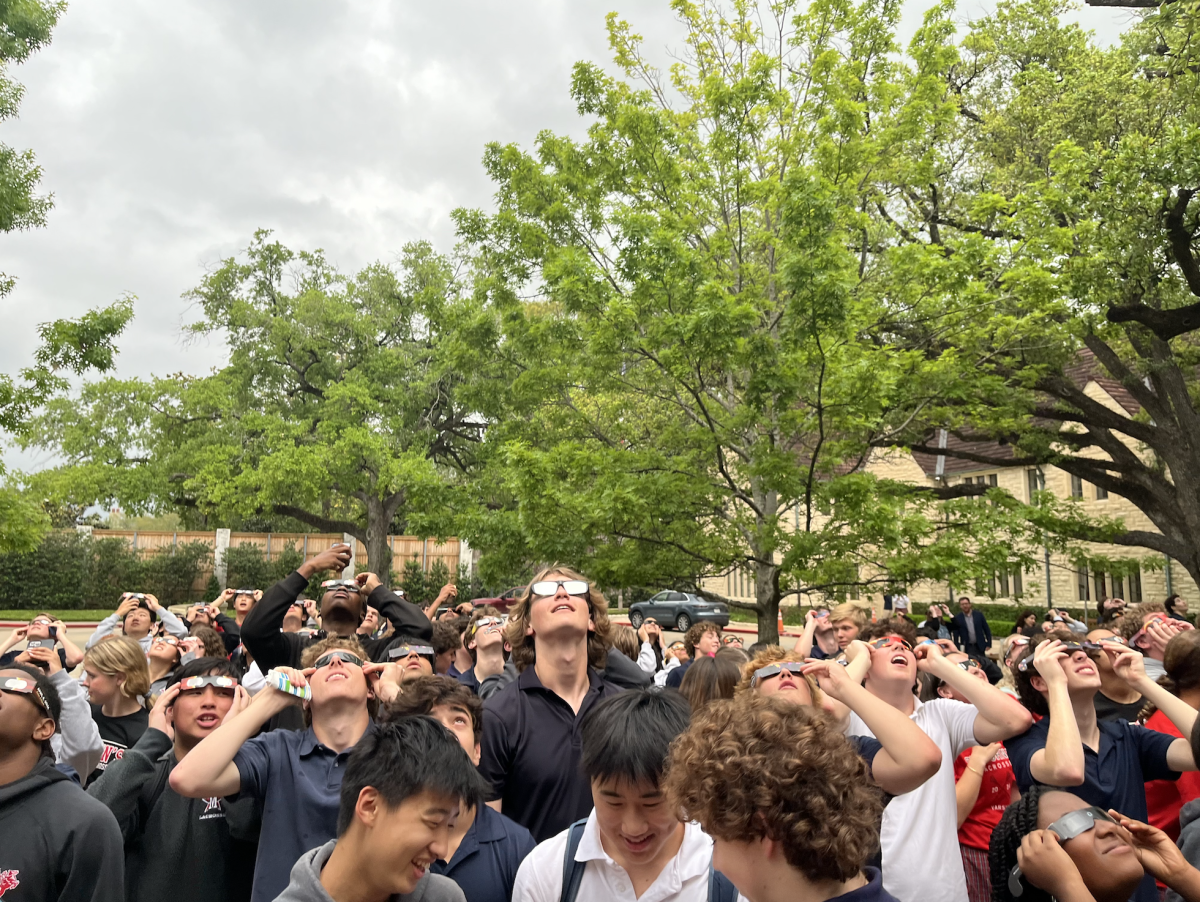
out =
column 185, row 850
column 230, row 632
column 58, row 845
column 271, row 648
column 983, row 633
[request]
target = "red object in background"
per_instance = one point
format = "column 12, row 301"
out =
column 995, row 794
column 1164, row 798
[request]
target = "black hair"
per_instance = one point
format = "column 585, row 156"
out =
column 1019, row 820
column 49, row 693
column 405, row 757
column 397, row 641
column 758, row 648
column 628, row 735
column 211, row 666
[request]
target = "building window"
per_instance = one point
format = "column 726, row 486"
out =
column 1032, row 484
column 1101, row 495
column 1135, row 588
column 1117, row 586
column 1098, row 581
column 1076, row 489
column 1081, row 577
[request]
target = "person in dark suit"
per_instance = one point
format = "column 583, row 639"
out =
column 973, row 635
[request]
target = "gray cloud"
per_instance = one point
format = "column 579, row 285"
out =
column 168, row 132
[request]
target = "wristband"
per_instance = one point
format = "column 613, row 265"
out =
column 281, row 682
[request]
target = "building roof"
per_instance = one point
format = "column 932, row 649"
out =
column 1085, row 369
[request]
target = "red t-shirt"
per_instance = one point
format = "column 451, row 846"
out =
column 995, row 793
column 1164, row 798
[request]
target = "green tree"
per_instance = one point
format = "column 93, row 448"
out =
column 1044, row 236
column 339, row 407
column 25, row 26
column 696, row 395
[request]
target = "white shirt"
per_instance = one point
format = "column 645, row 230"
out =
column 921, row 826
column 660, row 678
column 685, row 878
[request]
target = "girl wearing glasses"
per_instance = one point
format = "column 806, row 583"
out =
column 1051, row 844
column 162, row 658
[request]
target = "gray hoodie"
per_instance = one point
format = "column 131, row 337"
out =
column 306, row 882
column 1189, row 839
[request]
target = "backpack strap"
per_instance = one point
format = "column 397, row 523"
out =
column 572, row 869
column 720, row 888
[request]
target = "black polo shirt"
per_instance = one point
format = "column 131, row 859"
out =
column 531, row 752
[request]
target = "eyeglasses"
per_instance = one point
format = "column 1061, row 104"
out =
column 484, row 622
column 166, row 640
column 729, row 640
column 765, row 673
column 676, row 646
column 41, row 621
column 26, row 687
column 351, row 584
column 346, row 657
column 890, row 640
column 1018, row 641
column 1069, row 647
column 403, row 651
column 224, row 685
column 244, row 591
column 969, row 663
column 547, row 587
column 1067, row 827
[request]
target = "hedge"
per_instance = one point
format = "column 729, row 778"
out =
column 73, row 572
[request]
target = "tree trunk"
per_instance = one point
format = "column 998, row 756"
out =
column 379, row 553
column 766, row 596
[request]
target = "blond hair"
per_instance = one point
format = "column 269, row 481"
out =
column 856, row 611
column 599, row 641
column 121, row 656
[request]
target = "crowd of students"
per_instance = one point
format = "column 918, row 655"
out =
column 358, row 748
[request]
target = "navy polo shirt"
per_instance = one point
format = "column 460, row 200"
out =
column 1115, row 777
column 872, row 892
column 299, row 782
column 486, row 861
column 531, row 751
column 468, row 679
column 675, row 677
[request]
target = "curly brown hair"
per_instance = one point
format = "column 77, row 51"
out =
column 214, row 645
column 770, row 655
column 599, row 641
column 755, row 767
column 1131, row 621
column 695, row 632
column 890, row 626
column 422, row 695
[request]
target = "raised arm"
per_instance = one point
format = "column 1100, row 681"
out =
column 1061, row 762
column 805, row 643
column 109, row 623
column 1131, row 667
column 1000, row 715
column 77, row 741
column 966, row 790
column 908, row 757
column 406, row 617
column 208, row 770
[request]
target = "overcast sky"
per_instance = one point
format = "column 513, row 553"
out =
column 169, row 131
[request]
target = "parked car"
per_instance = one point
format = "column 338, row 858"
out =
column 678, row 610
column 502, row 601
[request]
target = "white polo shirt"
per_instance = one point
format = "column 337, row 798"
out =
column 685, row 878
column 922, row 825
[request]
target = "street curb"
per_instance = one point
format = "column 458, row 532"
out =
column 738, row 628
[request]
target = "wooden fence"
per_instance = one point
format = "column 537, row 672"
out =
column 404, row 548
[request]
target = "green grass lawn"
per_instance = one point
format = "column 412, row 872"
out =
column 65, row 616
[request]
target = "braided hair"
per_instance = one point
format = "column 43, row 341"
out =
column 1019, row 820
